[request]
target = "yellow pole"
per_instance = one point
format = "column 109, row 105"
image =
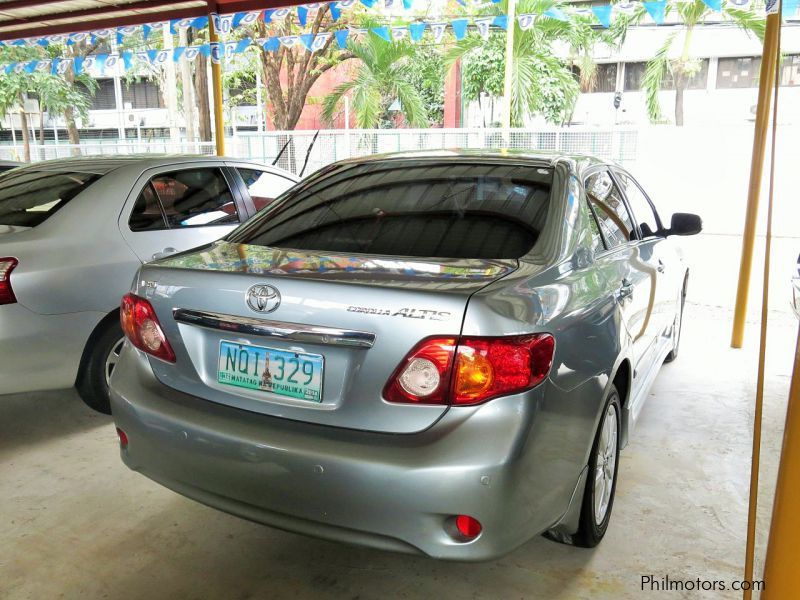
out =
column 509, row 72
column 755, row 463
column 769, row 60
column 781, row 575
column 216, row 84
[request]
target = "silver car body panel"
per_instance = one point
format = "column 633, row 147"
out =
column 356, row 468
column 76, row 265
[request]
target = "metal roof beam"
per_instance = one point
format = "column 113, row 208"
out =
column 88, row 12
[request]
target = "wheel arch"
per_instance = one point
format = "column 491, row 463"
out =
column 101, row 327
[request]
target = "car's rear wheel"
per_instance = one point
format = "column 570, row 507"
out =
column 601, row 484
column 100, row 360
column 677, row 325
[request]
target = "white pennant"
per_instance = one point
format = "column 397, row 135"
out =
column 438, row 31
column 345, row 3
column 215, row 53
column 626, row 7
column 483, row 26
column 222, row 23
column 280, row 13
column 78, row 37
column 525, row 21
column 389, row 3
column 111, row 61
column 184, row 23
column 59, row 38
column 250, row 18
column 143, row 57
column 162, row 57
column 44, row 65
column 743, row 4
column 63, row 65
column 88, row 63
column 191, row 53
column 19, row 67
column 102, row 33
column 127, row 29
column 290, row 41
column 399, row 33
column 320, row 40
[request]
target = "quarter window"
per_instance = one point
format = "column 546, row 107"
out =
column 263, row 186
column 643, row 211
column 609, row 209
column 186, row 198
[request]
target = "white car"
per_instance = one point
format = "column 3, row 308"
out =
column 73, row 233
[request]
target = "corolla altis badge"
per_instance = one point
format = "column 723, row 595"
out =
column 263, row 298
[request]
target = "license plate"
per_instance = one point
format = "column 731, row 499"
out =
column 287, row 373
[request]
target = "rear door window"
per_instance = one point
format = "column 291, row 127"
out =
column 609, row 209
column 263, row 186
column 412, row 208
column 185, row 198
column 28, row 198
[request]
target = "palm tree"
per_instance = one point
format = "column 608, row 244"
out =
column 683, row 68
column 542, row 82
column 381, row 79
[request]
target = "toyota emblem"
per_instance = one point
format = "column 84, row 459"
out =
column 263, row 298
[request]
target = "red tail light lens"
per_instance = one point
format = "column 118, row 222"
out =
column 470, row 370
column 141, row 327
column 6, row 293
column 469, row 527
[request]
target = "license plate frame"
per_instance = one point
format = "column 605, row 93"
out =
column 259, row 383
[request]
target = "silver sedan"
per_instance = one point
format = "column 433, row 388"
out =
column 439, row 353
column 73, row 233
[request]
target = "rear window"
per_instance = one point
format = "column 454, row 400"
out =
column 411, row 208
column 27, row 198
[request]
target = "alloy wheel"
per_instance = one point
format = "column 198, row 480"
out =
column 605, row 464
column 112, row 359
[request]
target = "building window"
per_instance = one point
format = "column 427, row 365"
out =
column 634, row 74
column 605, row 78
column 142, row 94
column 740, row 72
column 102, row 98
column 790, row 70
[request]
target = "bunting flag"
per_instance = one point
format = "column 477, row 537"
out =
column 603, row 14
column 715, row 5
column 382, row 32
column 483, row 25
column 399, row 33
column 416, row 30
column 459, row 28
column 525, row 21
column 656, row 10
column 438, row 30
column 341, row 37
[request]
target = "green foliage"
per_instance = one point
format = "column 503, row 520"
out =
column 383, row 76
column 542, row 83
column 428, row 78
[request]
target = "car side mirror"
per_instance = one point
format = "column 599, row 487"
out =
column 684, row 224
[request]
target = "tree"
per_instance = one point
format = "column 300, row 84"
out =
column 681, row 69
column 542, row 83
column 289, row 73
column 383, row 77
column 428, row 77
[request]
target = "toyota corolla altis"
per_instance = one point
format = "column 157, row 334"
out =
column 439, row 353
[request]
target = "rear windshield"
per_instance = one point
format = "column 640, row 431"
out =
column 27, row 197
column 411, row 208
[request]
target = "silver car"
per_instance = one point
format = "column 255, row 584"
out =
column 73, row 233
column 439, row 353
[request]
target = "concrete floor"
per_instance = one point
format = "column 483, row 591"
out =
column 74, row 523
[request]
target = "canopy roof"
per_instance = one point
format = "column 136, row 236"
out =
column 30, row 18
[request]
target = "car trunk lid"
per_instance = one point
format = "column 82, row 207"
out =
column 360, row 313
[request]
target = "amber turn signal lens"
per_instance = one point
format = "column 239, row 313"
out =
column 474, row 375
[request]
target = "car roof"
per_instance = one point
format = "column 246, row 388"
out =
column 102, row 165
column 546, row 157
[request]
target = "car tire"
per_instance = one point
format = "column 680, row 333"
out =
column 601, row 482
column 678, row 326
column 100, row 358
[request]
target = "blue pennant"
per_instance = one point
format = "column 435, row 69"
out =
column 242, row 45
column 77, row 65
column 382, row 32
column 501, row 21
column 416, row 30
column 341, row 37
column 307, row 39
column 603, row 14
column 555, row 13
column 368, row 3
column 407, row 4
column 460, row 28
column 302, row 15
column 336, row 12
column 789, row 8
column 656, row 10
column 127, row 59
column 146, row 31
column 715, row 5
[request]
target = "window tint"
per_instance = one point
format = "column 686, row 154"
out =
column 263, row 186
column 147, row 214
column 643, row 212
column 609, row 209
column 188, row 198
column 409, row 208
column 27, row 198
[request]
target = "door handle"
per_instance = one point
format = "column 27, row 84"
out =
column 625, row 290
column 660, row 267
column 165, row 252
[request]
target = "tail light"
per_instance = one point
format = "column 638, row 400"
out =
column 141, row 327
column 470, row 370
column 6, row 292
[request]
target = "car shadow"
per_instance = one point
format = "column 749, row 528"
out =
column 30, row 418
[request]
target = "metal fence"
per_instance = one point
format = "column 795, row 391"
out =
column 332, row 145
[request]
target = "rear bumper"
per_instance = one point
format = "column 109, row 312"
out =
column 394, row 492
column 41, row 352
